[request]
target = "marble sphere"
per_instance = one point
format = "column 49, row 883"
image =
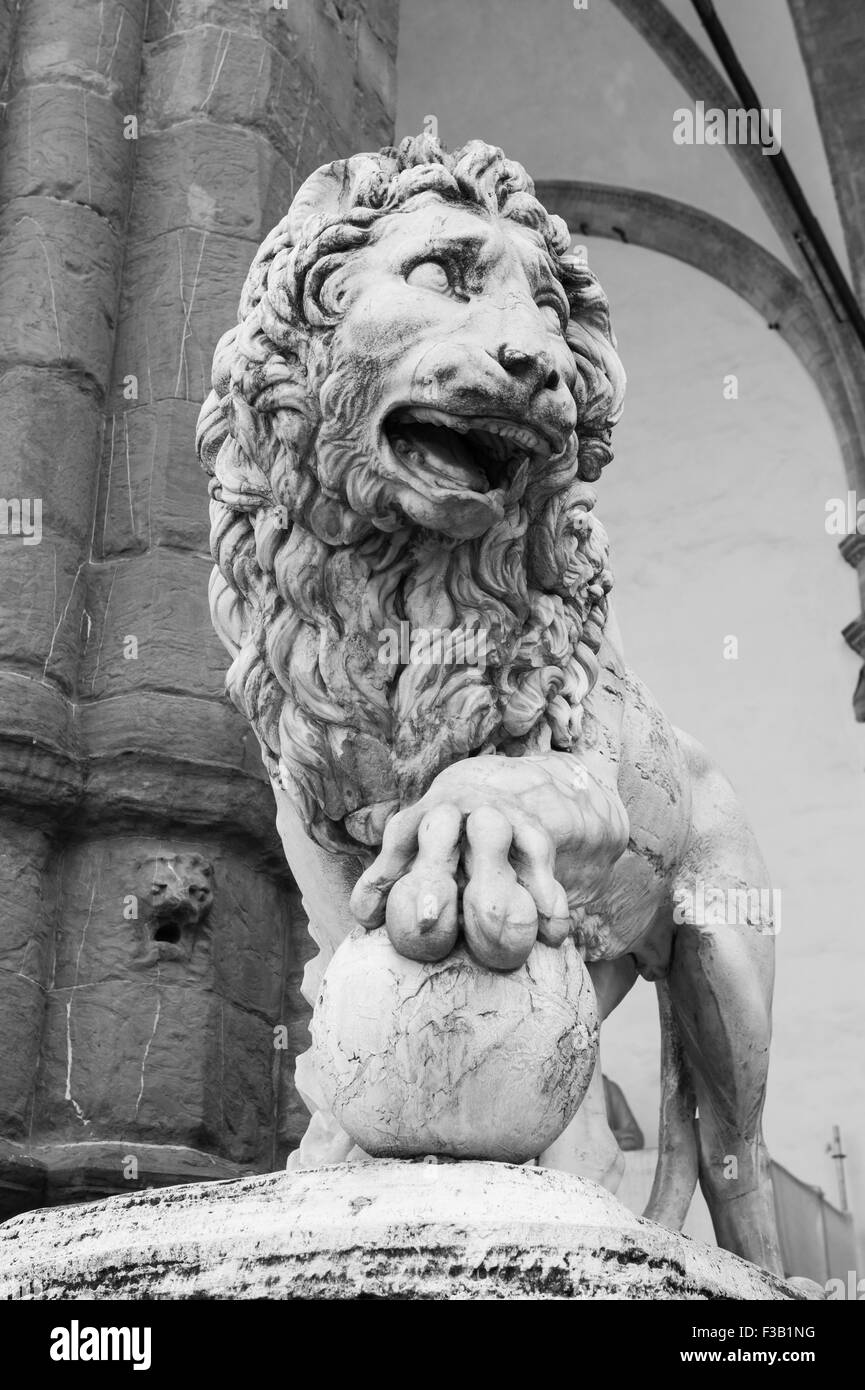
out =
column 449, row 1057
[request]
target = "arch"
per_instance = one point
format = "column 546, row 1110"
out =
column 697, row 74
column 676, row 229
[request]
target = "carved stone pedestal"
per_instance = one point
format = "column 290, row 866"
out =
column 379, row 1229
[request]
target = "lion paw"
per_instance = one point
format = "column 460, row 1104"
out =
column 504, row 864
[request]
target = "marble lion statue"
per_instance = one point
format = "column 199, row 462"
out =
column 403, row 433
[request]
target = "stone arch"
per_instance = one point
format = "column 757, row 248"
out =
column 699, row 77
column 676, row 229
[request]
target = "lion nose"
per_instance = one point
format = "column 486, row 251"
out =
column 536, row 368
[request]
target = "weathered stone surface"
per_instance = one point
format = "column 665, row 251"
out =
column 40, row 765
column 25, row 938
column 42, row 1175
column 232, row 78
column 173, row 16
column 209, row 732
column 160, row 1061
column 237, row 79
column 378, row 1229
column 152, row 1041
column 123, row 790
column 152, row 493
column 210, row 177
column 832, row 40
column 310, row 37
column 86, row 45
column 8, row 16
column 159, row 600
column 67, row 259
column 39, row 447
column 346, row 53
column 63, row 189
column 375, row 67
column 22, row 1010
column 106, row 900
column 100, row 754
column 383, row 17
column 45, row 581
column 536, row 796
column 452, row 1058
column 167, row 327
column 67, row 142
column 294, row 27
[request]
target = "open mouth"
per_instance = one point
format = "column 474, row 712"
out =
column 168, row 932
column 478, row 453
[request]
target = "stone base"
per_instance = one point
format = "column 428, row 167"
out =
column 44, row 1175
column 377, row 1229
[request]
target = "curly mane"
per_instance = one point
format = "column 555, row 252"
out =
column 313, row 562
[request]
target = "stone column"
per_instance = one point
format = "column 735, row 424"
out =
column 832, row 42
column 181, row 1063
column 69, row 75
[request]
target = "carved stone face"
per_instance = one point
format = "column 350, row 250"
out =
column 402, row 427
column 176, row 893
column 450, row 329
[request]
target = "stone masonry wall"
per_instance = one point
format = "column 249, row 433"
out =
column 146, row 150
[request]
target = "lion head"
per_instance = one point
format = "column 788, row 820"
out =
column 402, row 429
column 176, row 893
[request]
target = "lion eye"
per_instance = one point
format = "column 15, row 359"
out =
column 552, row 316
column 429, row 275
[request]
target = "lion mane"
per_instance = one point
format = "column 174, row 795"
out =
column 313, row 562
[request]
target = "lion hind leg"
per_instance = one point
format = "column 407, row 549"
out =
column 721, row 1000
column 677, row 1168
column 720, row 991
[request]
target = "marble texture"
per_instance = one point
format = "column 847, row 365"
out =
column 384, row 1229
column 405, row 427
column 451, row 1058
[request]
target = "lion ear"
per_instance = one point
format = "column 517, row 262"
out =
column 326, row 196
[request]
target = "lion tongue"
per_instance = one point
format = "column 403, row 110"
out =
column 443, row 451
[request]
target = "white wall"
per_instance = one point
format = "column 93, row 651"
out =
column 716, row 513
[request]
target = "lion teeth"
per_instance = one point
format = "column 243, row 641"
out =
column 526, row 437
column 507, row 429
column 484, row 454
column 438, row 417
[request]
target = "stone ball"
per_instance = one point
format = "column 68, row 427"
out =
column 449, row 1057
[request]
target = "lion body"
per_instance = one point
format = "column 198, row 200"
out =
column 403, row 430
